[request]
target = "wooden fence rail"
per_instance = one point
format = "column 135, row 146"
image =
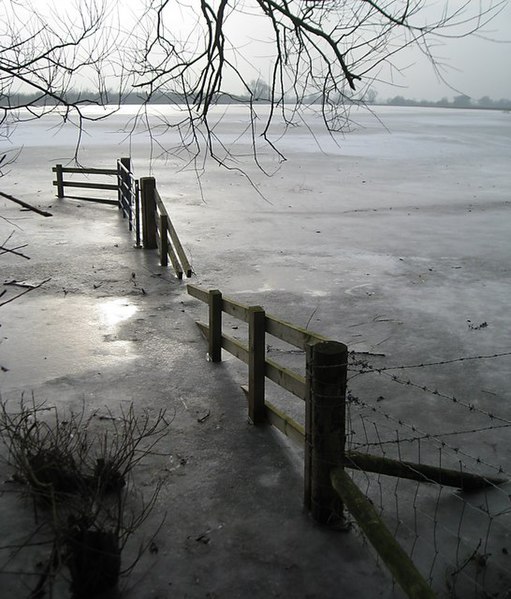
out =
column 62, row 183
column 328, row 490
column 158, row 231
column 285, row 331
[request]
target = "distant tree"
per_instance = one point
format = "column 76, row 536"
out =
column 260, row 90
column 485, row 102
column 462, row 101
column 401, row 101
column 503, row 103
column 370, row 96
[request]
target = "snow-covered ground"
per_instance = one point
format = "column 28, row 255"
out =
column 394, row 238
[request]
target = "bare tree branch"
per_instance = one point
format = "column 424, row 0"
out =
column 321, row 52
column 321, row 55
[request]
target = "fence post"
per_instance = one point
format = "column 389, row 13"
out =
column 147, row 192
column 137, row 214
column 215, row 325
column 119, row 184
column 164, row 240
column 325, row 429
column 256, row 364
column 126, row 191
column 60, row 181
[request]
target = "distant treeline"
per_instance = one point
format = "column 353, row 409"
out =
column 461, row 101
column 107, row 98
column 87, row 98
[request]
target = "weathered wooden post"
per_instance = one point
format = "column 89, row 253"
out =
column 147, row 192
column 126, row 191
column 164, row 239
column 325, row 429
column 60, row 181
column 256, row 364
column 215, row 326
column 119, row 184
column 137, row 214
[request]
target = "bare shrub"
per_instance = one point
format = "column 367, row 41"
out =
column 77, row 472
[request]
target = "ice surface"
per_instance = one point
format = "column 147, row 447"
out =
column 393, row 237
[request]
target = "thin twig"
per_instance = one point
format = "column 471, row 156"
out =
column 23, row 292
column 13, row 251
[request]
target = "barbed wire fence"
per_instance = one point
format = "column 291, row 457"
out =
column 459, row 540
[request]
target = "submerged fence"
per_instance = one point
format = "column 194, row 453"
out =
column 61, row 183
column 415, row 528
column 139, row 202
column 429, row 537
column 125, row 186
column 158, row 232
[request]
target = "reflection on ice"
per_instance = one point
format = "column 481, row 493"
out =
column 114, row 311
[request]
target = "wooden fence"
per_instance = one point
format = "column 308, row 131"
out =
column 158, row 231
column 126, row 187
column 61, row 183
column 139, row 202
column 127, row 193
column 328, row 489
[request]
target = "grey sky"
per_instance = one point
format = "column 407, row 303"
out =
column 476, row 66
column 479, row 65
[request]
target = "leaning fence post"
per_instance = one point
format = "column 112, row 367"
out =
column 325, row 428
column 215, row 325
column 256, row 364
column 60, row 181
column 148, row 199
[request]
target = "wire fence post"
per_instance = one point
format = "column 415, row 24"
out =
column 215, row 326
column 256, row 364
column 148, row 199
column 325, row 429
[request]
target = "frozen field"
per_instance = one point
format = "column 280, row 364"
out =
column 394, row 239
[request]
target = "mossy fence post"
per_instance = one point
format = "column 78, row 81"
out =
column 148, row 200
column 325, row 429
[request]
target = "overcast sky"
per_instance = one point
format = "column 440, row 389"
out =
column 479, row 65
